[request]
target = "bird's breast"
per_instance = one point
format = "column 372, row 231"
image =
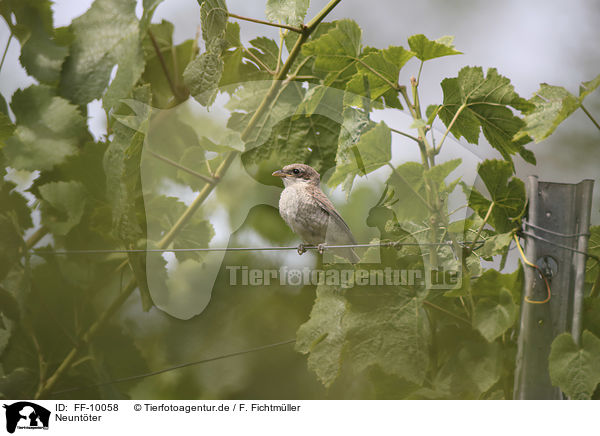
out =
column 303, row 214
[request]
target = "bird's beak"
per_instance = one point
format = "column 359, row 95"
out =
column 279, row 173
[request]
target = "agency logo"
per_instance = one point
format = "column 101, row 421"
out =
column 26, row 415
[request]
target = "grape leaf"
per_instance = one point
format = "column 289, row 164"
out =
column 7, row 128
column 507, row 196
column 41, row 54
column 394, row 336
column 63, row 205
column 360, row 152
column 266, row 50
column 162, row 212
column 472, row 369
column 322, row 337
column 493, row 316
column 307, row 139
column 108, row 34
column 175, row 58
column 425, row 49
column 287, row 11
column 575, row 369
column 336, row 52
column 49, row 129
column 213, row 19
column 593, row 268
column 473, row 102
column 203, row 74
column 381, row 69
column 122, row 164
column 553, row 104
column 409, row 192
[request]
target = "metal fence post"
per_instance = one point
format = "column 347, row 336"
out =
column 560, row 214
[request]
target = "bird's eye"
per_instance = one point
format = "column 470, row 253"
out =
column 296, row 171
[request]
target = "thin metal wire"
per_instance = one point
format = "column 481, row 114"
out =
column 221, row 249
column 574, row 250
column 172, row 368
column 552, row 232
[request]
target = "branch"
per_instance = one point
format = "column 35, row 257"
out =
column 163, row 64
column 485, row 220
column 405, row 134
column 6, row 49
column 207, row 179
column 266, row 23
column 460, row 109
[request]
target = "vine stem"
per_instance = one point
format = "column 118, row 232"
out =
column 485, row 220
column 266, row 23
column 399, row 132
column 590, row 116
column 6, row 49
column 164, row 67
column 460, row 109
column 67, row 362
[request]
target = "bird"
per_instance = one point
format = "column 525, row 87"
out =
column 310, row 214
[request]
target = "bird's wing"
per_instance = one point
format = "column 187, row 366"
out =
column 328, row 207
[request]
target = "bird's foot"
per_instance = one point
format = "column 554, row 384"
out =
column 301, row 249
column 321, row 248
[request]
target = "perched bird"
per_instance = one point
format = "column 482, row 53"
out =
column 310, row 214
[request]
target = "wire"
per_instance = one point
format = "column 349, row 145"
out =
column 533, row 265
column 552, row 232
column 565, row 247
column 172, row 368
column 221, row 249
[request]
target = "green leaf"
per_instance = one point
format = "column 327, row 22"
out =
column 496, row 244
column 49, row 129
column 63, row 205
column 287, row 11
column 380, row 74
column 359, row 154
column 471, row 370
column 336, row 52
column 176, row 58
column 41, row 54
column 162, row 212
column 493, row 316
column 308, row 139
column 7, row 128
column 508, row 196
column 108, row 34
column 425, row 49
column 203, row 74
column 409, row 192
column 323, row 335
column 553, row 104
column 213, row 19
column 593, row 267
column 122, row 164
column 575, row 369
column 266, row 50
column 588, row 87
column 393, row 336
column 476, row 102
